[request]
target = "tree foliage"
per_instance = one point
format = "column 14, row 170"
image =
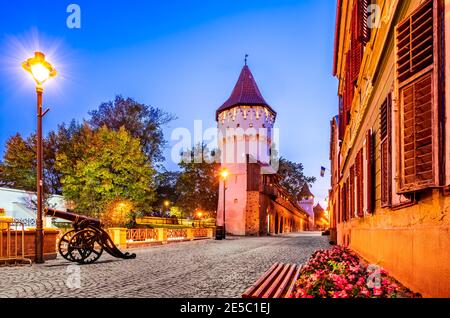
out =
column 198, row 183
column 140, row 120
column 76, row 156
column 292, row 176
column 166, row 183
column 18, row 169
column 107, row 165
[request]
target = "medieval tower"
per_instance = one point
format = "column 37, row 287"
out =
column 245, row 128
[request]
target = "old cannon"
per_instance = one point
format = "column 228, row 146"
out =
column 86, row 242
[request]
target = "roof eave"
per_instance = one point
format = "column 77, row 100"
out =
column 337, row 36
column 220, row 110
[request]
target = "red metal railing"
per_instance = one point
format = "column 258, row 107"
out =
column 12, row 242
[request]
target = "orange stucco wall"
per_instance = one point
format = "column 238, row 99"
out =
column 411, row 243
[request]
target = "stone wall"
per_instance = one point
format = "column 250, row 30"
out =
column 253, row 215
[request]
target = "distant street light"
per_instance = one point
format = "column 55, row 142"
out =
column 166, row 205
column 41, row 70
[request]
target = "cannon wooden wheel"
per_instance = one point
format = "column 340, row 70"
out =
column 63, row 245
column 84, row 246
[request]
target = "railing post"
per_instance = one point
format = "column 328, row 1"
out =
column 119, row 236
column 161, row 235
column 190, row 234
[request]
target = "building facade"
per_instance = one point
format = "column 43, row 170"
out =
column 18, row 205
column 390, row 195
column 254, row 202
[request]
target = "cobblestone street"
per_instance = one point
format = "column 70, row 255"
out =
column 206, row 268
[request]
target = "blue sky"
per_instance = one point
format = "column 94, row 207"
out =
column 182, row 56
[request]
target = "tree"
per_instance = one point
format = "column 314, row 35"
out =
column 141, row 121
column 292, row 177
column 109, row 166
column 166, row 183
column 18, row 168
column 198, row 183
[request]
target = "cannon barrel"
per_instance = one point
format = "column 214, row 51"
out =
column 68, row 216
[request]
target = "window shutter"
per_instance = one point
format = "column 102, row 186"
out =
column 359, row 36
column 416, row 59
column 352, row 191
column 415, row 42
column 348, row 204
column 417, row 147
column 349, row 89
column 363, row 27
column 341, row 118
column 344, row 203
column 386, row 152
column 357, row 51
column 369, row 178
column 359, row 184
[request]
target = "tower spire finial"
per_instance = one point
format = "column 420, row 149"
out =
column 245, row 59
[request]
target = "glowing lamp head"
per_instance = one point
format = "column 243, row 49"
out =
column 166, row 203
column 199, row 214
column 39, row 68
column 224, row 174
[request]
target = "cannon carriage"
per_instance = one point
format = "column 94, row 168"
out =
column 87, row 241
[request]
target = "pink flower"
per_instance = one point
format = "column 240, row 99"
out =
column 360, row 281
column 322, row 291
column 377, row 291
column 364, row 292
column 340, row 294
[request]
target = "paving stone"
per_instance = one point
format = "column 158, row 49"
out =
column 205, row 268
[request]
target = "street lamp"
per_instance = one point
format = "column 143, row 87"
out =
column 166, row 205
column 224, row 173
column 41, row 70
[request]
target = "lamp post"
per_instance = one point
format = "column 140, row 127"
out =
column 41, row 70
column 224, row 175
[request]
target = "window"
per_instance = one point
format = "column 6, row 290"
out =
column 359, row 184
column 345, row 201
column 362, row 26
column 352, row 192
column 359, row 36
column 369, row 168
column 386, row 152
column 349, row 90
column 416, row 74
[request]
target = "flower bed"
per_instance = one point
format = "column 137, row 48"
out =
column 340, row 273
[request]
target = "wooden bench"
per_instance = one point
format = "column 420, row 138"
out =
column 277, row 282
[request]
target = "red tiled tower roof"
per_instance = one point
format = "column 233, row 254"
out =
column 245, row 93
column 304, row 192
column 318, row 208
